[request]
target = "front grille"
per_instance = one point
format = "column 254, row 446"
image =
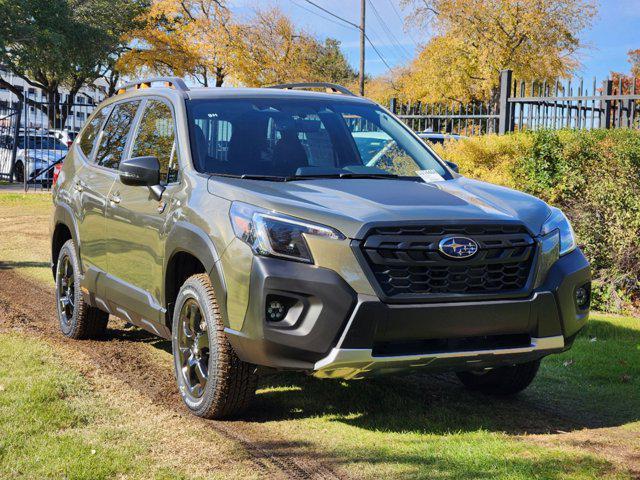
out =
column 406, row 261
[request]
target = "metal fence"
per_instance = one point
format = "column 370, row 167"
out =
column 9, row 125
column 36, row 135
column 533, row 105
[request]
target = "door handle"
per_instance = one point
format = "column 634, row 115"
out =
column 114, row 199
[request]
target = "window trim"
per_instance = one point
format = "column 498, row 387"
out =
column 136, row 127
column 88, row 158
column 128, row 141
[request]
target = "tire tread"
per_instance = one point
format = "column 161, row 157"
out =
column 90, row 322
column 235, row 380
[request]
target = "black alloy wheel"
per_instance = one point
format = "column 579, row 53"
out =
column 193, row 349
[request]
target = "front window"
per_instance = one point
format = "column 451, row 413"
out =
column 303, row 138
column 156, row 137
column 115, row 134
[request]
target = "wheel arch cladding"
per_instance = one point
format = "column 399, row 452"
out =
column 64, row 228
column 188, row 251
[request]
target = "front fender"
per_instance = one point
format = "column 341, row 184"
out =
column 185, row 237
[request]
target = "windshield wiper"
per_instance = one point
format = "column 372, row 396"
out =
column 246, row 176
column 343, row 175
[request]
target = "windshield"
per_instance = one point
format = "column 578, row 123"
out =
column 305, row 138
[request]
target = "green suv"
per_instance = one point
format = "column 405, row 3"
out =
column 288, row 229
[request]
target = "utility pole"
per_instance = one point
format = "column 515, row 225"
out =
column 362, row 15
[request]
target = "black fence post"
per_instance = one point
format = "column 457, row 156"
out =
column 392, row 105
column 605, row 110
column 16, row 134
column 505, row 119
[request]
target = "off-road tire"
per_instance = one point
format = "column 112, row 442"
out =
column 86, row 321
column 504, row 381
column 231, row 383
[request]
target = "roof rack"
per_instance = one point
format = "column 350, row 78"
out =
column 335, row 88
column 172, row 82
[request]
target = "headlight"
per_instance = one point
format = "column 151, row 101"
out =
column 274, row 234
column 558, row 221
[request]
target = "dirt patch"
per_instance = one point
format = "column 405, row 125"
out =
column 619, row 446
column 126, row 357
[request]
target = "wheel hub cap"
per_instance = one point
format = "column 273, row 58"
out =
column 66, row 290
column 193, row 348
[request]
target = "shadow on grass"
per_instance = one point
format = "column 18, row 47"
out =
column 428, row 426
column 595, row 384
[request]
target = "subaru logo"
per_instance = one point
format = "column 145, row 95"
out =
column 458, row 247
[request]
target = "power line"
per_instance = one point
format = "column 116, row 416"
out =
column 401, row 18
column 313, row 12
column 355, row 26
column 394, row 41
column 333, row 14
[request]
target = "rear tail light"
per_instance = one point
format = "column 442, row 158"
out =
column 56, row 172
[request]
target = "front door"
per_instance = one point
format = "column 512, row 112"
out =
column 136, row 221
column 94, row 182
column 91, row 189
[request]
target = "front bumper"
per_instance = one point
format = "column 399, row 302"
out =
column 337, row 333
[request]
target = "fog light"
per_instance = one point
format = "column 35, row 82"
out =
column 276, row 311
column 582, row 296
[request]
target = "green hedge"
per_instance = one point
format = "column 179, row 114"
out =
column 593, row 176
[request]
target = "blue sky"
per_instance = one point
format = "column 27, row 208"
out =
column 615, row 31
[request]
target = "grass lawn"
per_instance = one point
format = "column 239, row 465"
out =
column 421, row 427
column 579, row 420
column 55, row 426
column 24, row 233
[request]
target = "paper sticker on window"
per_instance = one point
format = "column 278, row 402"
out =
column 429, row 176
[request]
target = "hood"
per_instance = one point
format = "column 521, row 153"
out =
column 351, row 204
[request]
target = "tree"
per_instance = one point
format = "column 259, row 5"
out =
column 270, row 49
column 634, row 60
column 61, row 44
column 185, row 38
column 328, row 63
column 623, row 84
column 475, row 39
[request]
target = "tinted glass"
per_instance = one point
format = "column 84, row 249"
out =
column 91, row 131
column 288, row 137
column 156, row 137
column 115, row 134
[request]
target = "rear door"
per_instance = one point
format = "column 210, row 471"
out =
column 136, row 220
column 94, row 180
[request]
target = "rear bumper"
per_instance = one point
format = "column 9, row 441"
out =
column 333, row 332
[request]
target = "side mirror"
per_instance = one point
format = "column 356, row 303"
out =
column 143, row 171
column 454, row 167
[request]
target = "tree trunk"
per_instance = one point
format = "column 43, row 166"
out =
column 220, row 74
column 54, row 112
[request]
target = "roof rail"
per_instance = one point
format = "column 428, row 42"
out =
column 328, row 86
column 173, row 82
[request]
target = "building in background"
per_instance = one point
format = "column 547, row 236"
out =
column 34, row 118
